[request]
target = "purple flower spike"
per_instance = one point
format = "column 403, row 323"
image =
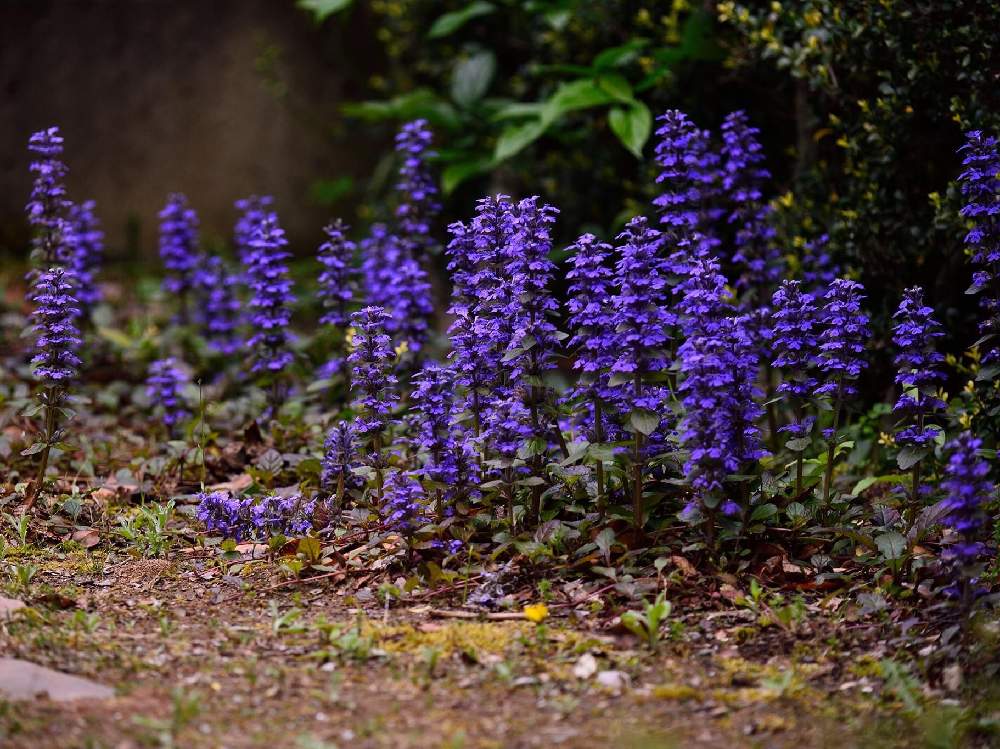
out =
column 179, row 245
column 718, row 364
column 339, row 457
column 219, row 307
column 372, row 380
column 86, row 243
column 57, row 339
column 48, row 205
column 919, row 369
column 981, row 187
column 252, row 212
column 336, row 282
column 967, row 491
column 267, row 271
column 404, row 509
column 690, row 176
column 842, row 341
column 796, row 321
column 164, row 386
column 417, row 190
column 743, row 177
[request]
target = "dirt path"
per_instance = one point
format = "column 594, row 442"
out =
column 197, row 663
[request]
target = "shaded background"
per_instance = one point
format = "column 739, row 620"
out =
column 214, row 99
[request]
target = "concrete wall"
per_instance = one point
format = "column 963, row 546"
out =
column 217, row 99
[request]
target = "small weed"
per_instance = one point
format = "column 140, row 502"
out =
column 646, row 624
column 146, row 531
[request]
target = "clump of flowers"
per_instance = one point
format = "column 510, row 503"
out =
column 252, row 212
column 796, row 321
column 56, row 361
column 690, row 176
column 919, row 374
column 271, row 304
column 418, row 204
column 404, row 507
column 48, row 206
column 841, row 357
column 718, row 366
column 219, row 313
column 86, row 241
column 253, row 519
column 967, row 491
column 373, row 383
column 165, row 387
column 981, row 187
column 742, row 177
column 340, row 456
column 179, row 249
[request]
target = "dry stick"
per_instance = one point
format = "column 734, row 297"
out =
column 284, row 583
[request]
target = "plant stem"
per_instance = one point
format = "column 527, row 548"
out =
column 599, row 438
column 832, row 445
column 43, row 461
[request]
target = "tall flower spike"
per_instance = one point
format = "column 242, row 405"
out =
column 219, row 307
column 432, row 405
column 404, row 509
column 981, row 187
column 48, row 205
column 252, row 212
column 690, row 176
column 967, row 491
column 796, row 321
column 418, row 204
column 818, row 268
column 336, row 282
column 267, row 271
column 718, row 367
column 179, row 245
column 340, row 456
column 57, row 341
column 372, row 382
column 842, row 341
column 592, row 322
column 743, row 176
column 918, row 367
column 164, row 388
column 86, row 241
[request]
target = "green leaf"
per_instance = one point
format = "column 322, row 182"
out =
column 309, row 548
column 614, row 57
column 449, row 23
column 866, row 482
column 457, row 172
column 644, row 420
column 35, row 448
column 471, row 78
column 632, row 125
column 515, row 138
column 616, row 86
column 575, row 95
column 764, row 512
column 323, row 9
column 909, row 457
column 798, row 444
column 892, row 545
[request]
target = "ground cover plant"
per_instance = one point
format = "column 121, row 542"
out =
column 595, row 464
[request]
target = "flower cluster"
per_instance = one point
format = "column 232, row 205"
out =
column 57, row 339
column 981, row 187
column 252, row 212
column 86, row 242
column 219, row 307
column 267, row 271
column 179, row 245
column 340, row 456
column 742, row 178
column 918, row 367
column 416, row 187
column 690, row 176
column 796, row 321
column 718, row 366
column 48, row 206
column 372, row 380
column 336, row 282
column 404, row 508
column 432, row 403
column 967, row 490
column 249, row 518
column 164, row 388
column 842, row 340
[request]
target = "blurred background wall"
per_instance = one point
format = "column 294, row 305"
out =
column 215, row 99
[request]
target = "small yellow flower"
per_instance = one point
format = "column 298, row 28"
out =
column 402, row 348
column 536, row 612
column 886, row 440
